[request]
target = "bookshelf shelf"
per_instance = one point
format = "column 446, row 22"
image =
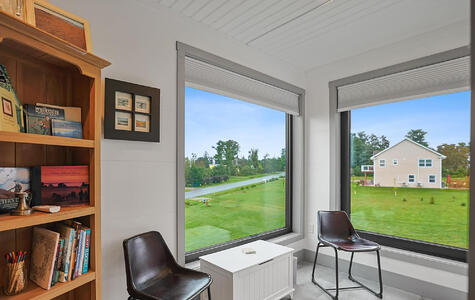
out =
column 34, row 292
column 8, row 222
column 28, row 138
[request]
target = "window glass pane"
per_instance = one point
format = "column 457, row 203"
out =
column 426, row 196
column 235, row 169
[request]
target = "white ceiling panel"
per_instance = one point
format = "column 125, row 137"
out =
column 309, row 33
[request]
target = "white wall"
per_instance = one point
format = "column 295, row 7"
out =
column 318, row 136
column 138, row 179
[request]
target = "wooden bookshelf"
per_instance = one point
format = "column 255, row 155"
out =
column 46, row 69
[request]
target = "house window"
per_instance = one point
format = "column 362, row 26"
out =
column 428, row 163
column 236, row 172
column 382, row 163
column 380, row 211
column 395, row 162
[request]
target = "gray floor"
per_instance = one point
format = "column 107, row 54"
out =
column 305, row 289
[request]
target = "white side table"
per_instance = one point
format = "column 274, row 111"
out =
column 267, row 274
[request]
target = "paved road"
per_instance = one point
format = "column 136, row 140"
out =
column 223, row 187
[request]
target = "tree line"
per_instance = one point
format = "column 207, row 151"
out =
column 364, row 146
column 207, row 169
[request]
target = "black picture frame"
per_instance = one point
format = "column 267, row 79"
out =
column 111, row 132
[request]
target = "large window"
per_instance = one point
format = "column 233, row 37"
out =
column 236, row 171
column 420, row 202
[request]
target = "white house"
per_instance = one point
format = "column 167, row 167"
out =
column 408, row 164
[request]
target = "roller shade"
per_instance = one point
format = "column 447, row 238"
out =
column 447, row 76
column 214, row 79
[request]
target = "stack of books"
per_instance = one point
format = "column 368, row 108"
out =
column 54, row 120
column 60, row 255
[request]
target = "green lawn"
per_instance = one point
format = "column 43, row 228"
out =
column 377, row 209
column 234, row 214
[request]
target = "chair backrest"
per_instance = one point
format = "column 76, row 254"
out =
column 146, row 256
column 334, row 225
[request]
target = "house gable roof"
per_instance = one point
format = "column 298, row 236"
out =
column 409, row 140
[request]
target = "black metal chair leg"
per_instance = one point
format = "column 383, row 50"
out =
column 209, row 293
column 334, row 297
column 350, row 277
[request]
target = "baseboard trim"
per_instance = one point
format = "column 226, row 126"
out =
column 423, row 288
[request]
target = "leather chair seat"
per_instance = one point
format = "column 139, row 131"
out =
column 181, row 284
column 354, row 244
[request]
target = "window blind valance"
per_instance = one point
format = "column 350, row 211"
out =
column 217, row 80
column 448, row 76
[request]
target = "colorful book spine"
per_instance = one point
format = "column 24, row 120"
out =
column 78, row 255
column 86, row 255
column 60, row 261
column 55, row 265
column 73, row 256
column 83, row 246
column 67, row 256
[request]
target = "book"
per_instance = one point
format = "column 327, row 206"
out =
column 76, row 255
column 38, row 118
column 70, row 113
column 81, row 253
column 68, row 233
column 73, row 256
column 44, row 247
column 86, row 254
column 57, row 262
column 11, row 111
column 60, row 185
column 66, row 128
column 11, row 180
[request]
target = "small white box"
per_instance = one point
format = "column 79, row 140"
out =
column 267, row 274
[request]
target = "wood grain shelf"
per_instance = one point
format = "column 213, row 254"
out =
column 8, row 222
column 28, row 138
column 34, row 292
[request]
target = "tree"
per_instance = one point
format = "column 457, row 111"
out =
column 254, row 158
column 226, row 154
column 418, row 136
column 457, row 162
column 283, row 159
column 364, row 146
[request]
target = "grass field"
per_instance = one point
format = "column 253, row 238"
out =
column 235, row 213
column 433, row 215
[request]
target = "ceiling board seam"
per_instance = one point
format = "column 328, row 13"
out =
column 332, row 12
column 250, row 25
column 199, row 9
column 287, row 22
column 311, row 36
column 250, row 16
column 212, row 11
column 227, row 12
column 237, row 16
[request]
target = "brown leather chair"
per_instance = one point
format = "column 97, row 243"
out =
column 336, row 231
column 153, row 274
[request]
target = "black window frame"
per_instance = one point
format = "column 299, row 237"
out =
column 195, row 254
column 439, row 250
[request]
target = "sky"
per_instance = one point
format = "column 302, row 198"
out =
column 446, row 118
column 211, row 117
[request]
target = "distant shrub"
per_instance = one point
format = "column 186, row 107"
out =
column 432, row 200
column 253, row 185
column 404, row 200
column 463, row 204
column 422, row 199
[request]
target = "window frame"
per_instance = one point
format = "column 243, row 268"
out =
column 395, row 162
column 195, row 254
column 440, row 250
column 383, row 161
column 409, row 178
column 435, row 179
